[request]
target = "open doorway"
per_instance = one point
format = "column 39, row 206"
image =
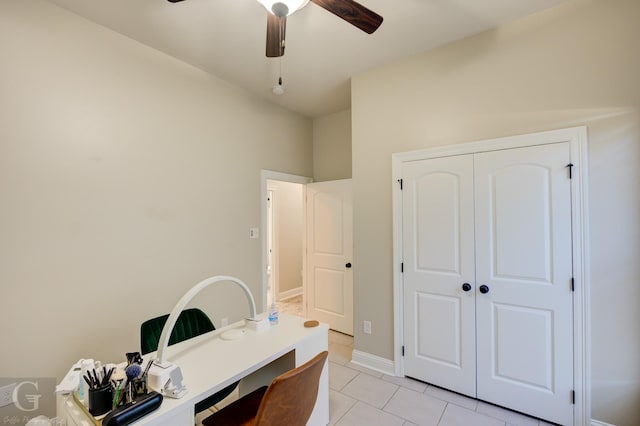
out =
column 283, row 263
column 308, row 248
column 285, row 229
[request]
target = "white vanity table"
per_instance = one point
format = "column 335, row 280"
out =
column 210, row 363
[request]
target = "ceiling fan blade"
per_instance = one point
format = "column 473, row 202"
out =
column 175, row 1
column 276, row 28
column 352, row 12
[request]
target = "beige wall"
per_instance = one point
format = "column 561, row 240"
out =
column 575, row 65
column 332, row 147
column 126, row 177
column 288, row 214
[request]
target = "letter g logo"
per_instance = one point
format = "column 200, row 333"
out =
column 32, row 398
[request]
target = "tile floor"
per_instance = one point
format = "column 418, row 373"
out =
column 359, row 396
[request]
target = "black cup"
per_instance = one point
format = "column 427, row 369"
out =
column 100, row 400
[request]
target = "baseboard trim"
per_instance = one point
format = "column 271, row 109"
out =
column 599, row 423
column 289, row 294
column 373, row 362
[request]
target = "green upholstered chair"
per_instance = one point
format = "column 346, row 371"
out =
column 191, row 323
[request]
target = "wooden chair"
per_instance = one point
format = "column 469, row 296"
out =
column 288, row 400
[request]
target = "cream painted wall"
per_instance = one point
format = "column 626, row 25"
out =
column 578, row 64
column 288, row 214
column 332, row 147
column 126, row 177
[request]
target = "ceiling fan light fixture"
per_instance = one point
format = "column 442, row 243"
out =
column 283, row 7
column 278, row 89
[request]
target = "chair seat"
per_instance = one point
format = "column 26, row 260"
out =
column 239, row 413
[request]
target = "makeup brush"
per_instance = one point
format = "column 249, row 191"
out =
column 133, row 371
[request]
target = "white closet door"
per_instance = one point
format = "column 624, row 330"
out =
column 439, row 316
column 523, row 256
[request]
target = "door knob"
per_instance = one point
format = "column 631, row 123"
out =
column 466, row 286
column 484, row 289
column 348, row 265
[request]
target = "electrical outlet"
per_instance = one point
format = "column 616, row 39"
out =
column 6, row 394
column 254, row 233
column 366, row 325
column 224, row 322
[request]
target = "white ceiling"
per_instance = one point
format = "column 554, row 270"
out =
column 227, row 38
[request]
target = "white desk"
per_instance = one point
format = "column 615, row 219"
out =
column 209, row 364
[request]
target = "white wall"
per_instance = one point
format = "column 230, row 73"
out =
column 126, row 177
column 578, row 64
column 332, row 147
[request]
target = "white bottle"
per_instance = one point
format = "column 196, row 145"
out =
column 83, row 390
column 273, row 314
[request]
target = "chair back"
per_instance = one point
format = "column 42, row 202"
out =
column 191, row 323
column 290, row 398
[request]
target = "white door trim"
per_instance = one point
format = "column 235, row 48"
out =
column 266, row 175
column 577, row 138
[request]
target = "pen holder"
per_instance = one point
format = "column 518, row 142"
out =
column 138, row 387
column 100, row 400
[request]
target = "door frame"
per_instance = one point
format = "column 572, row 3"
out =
column 266, row 175
column 271, row 247
column 577, row 138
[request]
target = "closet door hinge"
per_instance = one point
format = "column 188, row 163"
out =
column 573, row 397
column 570, row 167
column 402, row 350
column 400, row 181
column 401, row 267
column 573, row 284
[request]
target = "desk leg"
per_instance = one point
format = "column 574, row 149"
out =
column 305, row 350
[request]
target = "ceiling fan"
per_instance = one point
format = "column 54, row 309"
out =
column 349, row 10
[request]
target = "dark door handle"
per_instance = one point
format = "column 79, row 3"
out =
column 484, row 289
column 466, row 286
column 348, row 265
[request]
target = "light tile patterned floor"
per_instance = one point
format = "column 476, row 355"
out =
column 359, row 396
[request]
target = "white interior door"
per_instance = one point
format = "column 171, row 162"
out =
column 523, row 257
column 439, row 309
column 329, row 276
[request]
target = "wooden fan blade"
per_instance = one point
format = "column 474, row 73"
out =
column 352, row 12
column 276, row 28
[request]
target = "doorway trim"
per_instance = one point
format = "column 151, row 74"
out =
column 266, row 175
column 577, row 138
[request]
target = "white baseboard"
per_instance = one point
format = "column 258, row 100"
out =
column 599, row 423
column 289, row 294
column 373, row 362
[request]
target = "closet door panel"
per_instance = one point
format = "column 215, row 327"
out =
column 439, row 316
column 523, row 257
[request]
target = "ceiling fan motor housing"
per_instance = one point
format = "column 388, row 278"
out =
column 280, row 9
